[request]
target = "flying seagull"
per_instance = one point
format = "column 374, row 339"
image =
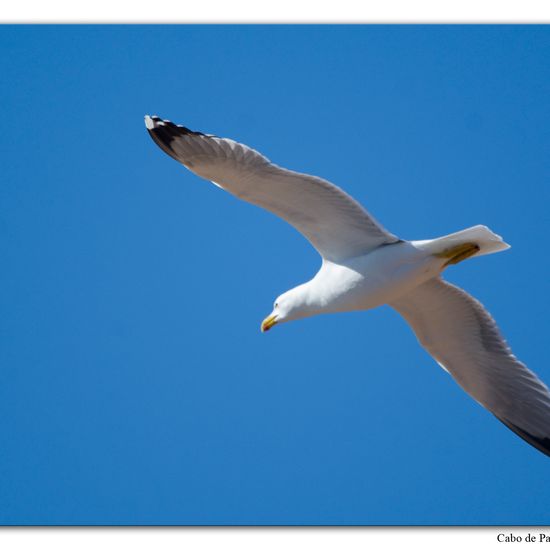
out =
column 365, row 266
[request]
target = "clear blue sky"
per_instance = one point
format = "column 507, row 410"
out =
column 136, row 385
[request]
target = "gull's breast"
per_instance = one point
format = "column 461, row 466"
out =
column 368, row 281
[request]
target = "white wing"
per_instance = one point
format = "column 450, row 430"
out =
column 464, row 339
column 335, row 224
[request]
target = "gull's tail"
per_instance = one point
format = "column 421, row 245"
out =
column 479, row 235
column 474, row 241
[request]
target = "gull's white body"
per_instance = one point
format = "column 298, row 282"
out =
column 365, row 266
column 369, row 280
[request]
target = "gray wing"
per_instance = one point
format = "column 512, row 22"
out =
column 335, row 224
column 465, row 340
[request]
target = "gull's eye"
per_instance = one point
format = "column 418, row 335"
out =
column 276, row 305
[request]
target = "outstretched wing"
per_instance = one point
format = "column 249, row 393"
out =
column 465, row 340
column 335, row 224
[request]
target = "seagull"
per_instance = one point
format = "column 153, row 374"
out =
column 365, row 266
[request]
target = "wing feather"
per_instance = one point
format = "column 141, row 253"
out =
column 335, row 224
column 463, row 338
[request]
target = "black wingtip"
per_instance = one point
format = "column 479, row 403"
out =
column 542, row 444
column 164, row 132
column 157, row 124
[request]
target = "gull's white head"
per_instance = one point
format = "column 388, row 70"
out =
column 292, row 305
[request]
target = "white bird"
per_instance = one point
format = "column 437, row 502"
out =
column 365, row 266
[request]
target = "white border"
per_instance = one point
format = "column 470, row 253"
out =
column 265, row 538
column 281, row 11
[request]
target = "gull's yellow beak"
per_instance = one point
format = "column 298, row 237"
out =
column 268, row 322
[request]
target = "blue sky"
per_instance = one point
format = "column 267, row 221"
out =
column 136, row 385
